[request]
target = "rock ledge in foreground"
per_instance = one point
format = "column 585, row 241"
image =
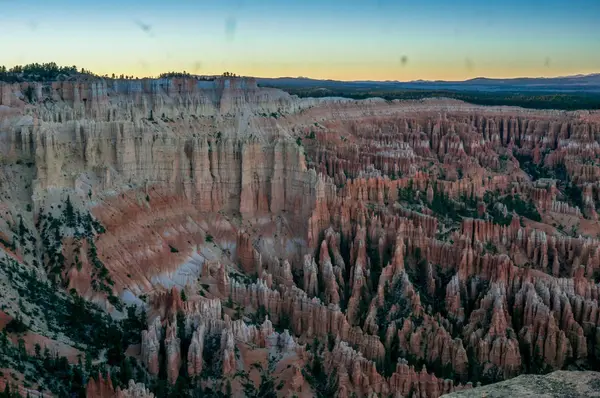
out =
column 564, row 384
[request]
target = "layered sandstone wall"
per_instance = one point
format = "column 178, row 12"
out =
column 220, row 147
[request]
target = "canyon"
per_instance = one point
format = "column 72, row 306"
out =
column 234, row 240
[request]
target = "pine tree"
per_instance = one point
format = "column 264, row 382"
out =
column 3, row 340
column 6, row 392
column 88, row 361
column 69, row 213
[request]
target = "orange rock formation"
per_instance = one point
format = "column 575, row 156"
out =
column 401, row 247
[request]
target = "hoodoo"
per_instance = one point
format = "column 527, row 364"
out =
column 188, row 236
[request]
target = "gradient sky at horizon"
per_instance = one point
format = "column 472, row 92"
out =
column 336, row 39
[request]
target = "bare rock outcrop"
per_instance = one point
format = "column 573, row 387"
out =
column 576, row 384
column 134, row 390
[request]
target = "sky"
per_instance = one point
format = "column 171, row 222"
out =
column 333, row 39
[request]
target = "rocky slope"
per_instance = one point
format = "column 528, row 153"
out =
column 556, row 384
column 245, row 240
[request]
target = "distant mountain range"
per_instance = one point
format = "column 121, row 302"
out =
column 577, row 83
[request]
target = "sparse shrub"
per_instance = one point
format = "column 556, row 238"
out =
column 29, row 94
column 16, row 325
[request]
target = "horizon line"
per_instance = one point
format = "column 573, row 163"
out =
column 117, row 76
column 432, row 81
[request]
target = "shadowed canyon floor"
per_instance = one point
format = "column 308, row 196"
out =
column 179, row 237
